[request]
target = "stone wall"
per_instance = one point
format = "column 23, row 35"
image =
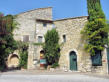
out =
column 72, row 27
column 27, row 22
column 28, row 25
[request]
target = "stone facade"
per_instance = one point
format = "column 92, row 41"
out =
column 35, row 24
column 31, row 23
column 71, row 28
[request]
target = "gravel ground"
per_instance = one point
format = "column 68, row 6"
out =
column 48, row 76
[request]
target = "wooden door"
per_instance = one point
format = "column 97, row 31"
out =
column 73, row 61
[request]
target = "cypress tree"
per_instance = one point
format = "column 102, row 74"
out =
column 95, row 31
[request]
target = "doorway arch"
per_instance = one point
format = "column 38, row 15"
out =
column 13, row 60
column 73, row 61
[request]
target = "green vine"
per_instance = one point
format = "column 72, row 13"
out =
column 23, row 51
column 7, row 42
column 38, row 44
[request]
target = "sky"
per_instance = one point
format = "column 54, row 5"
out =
column 61, row 8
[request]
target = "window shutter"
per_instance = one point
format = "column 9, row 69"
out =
column 40, row 39
column 97, row 59
column 25, row 38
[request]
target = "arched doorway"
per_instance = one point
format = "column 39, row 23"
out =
column 41, row 53
column 42, row 60
column 13, row 61
column 73, row 61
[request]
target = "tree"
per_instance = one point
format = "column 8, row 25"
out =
column 23, row 51
column 7, row 42
column 51, row 47
column 96, row 30
column 108, row 33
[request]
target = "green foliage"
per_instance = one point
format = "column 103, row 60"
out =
column 7, row 42
column 38, row 44
column 108, row 33
column 23, row 50
column 23, row 59
column 51, row 47
column 94, row 10
column 55, row 65
column 96, row 30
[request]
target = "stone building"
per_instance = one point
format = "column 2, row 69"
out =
column 34, row 24
column 73, row 56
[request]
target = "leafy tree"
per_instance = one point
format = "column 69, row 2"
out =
column 23, row 51
column 108, row 33
column 96, row 30
column 51, row 47
column 7, row 42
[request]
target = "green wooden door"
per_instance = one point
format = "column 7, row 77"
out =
column 73, row 61
column 108, row 58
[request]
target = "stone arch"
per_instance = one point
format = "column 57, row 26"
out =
column 13, row 61
column 42, row 52
column 73, row 60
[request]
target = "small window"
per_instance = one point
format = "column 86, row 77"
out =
column 40, row 39
column 97, row 59
column 64, row 38
column 44, row 24
column 25, row 38
column 53, row 25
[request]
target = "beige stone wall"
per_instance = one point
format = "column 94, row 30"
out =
column 27, row 22
column 71, row 28
column 74, row 42
column 27, row 25
column 41, row 30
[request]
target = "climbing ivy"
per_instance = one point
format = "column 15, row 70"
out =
column 23, row 51
column 96, row 30
column 7, row 42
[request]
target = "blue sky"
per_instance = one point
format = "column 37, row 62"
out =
column 61, row 8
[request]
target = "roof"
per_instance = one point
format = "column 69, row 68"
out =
column 33, row 10
column 71, row 18
column 43, row 20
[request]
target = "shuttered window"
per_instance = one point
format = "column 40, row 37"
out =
column 25, row 38
column 44, row 24
column 40, row 39
column 97, row 59
column 64, row 38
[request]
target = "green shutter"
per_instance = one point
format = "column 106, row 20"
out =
column 97, row 59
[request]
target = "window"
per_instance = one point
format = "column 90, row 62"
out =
column 64, row 38
column 25, row 38
column 40, row 39
column 44, row 24
column 53, row 25
column 97, row 59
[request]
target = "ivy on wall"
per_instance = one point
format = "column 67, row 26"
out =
column 23, row 51
column 7, row 42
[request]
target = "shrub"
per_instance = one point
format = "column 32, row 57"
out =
column 51, row 47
